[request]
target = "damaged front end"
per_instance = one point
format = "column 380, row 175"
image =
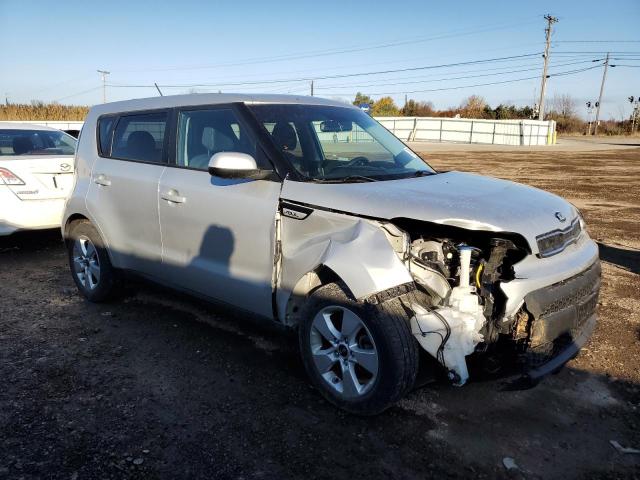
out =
column 473, row 293
column 465, row 308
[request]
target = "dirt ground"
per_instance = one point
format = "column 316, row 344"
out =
column 159, row 385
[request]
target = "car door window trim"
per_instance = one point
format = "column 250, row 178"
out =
column 164, row 161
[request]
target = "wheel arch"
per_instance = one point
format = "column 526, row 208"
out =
column 309, row 282
column 74, row 218
column 79, row 217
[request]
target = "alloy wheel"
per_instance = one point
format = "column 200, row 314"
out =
column 343, row 351
column 86, row 262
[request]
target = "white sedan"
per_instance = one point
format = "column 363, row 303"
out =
column 36, row 176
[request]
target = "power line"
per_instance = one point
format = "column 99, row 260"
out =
column 78, row 93
column 357, row 85
column 346, row 75
column 229, row 81
column 596, row 41
column 325, row 52
column 595, row 52
column 559, row 74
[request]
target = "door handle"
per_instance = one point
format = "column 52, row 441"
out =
column 173, row 196
column 102, row 179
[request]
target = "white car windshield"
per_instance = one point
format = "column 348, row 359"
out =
column 331, row 143
column 36, row 142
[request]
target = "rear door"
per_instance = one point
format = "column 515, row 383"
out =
column 123, row 192
column 218, row 235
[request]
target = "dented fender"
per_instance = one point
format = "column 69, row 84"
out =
column 356, row 249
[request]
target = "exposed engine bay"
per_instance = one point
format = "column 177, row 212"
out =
column 462, row 309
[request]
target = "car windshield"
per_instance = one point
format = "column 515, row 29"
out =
column 338, row 144
column 36, row 142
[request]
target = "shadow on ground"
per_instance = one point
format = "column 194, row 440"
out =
column 626, row 258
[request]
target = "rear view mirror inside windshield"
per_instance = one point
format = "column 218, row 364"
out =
column 336, row 126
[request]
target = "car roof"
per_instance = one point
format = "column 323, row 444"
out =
column 25, row 126
column 198, row 99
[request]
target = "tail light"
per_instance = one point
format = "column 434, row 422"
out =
column 9, row 178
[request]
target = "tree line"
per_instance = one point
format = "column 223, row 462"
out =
column 563, row 109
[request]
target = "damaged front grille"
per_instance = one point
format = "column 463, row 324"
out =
column 556, row 241
column 558, row 314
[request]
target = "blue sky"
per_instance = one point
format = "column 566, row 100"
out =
column 51, row 50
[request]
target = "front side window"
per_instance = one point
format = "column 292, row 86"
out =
column 17, row 142
column 203, row 133
column 331, row 143
column 140, row 137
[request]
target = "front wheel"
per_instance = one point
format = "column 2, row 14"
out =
column 361, row 357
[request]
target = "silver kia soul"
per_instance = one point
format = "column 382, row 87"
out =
column 309, row 213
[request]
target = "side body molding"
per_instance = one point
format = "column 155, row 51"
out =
column 355, row 249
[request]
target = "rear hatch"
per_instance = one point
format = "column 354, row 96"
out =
column 43, row 177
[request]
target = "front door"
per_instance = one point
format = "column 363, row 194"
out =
column 217, row 235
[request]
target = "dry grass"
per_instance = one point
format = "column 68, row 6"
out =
column 41, row 111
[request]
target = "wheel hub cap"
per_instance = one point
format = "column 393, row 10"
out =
column 343, row 351
column 86, row 262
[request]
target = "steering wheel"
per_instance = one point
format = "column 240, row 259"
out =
column 356, row 162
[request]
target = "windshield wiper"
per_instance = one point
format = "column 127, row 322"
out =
column 347, row 179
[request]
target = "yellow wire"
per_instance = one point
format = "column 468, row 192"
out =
column 478, row 272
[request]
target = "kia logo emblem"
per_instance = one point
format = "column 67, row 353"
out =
column 560, row 217
column 65, row 167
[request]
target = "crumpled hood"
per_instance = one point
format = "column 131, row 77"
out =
column 459, row 199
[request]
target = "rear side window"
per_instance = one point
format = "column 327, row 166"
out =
column 140, row 137
column 105, row 133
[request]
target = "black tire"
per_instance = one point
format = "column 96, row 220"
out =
column 397, row 349
column 107, row 286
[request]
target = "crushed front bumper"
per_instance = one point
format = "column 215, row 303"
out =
column 562, row 318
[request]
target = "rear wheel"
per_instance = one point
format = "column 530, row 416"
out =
column 361, row 357
column 89, row 262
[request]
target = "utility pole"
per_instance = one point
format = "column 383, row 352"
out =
column 104, row 74
column 312, row 88
column 550, row 21
column 634, row 113
column 604, row 77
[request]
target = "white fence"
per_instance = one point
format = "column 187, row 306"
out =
column 469, row 130
column 432, row 129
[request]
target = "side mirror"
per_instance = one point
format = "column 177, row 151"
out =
column 236, row 165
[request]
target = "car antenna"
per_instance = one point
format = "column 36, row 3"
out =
column 158, row 88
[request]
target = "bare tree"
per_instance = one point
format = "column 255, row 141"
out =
column 564, row 105
column 473, row 107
